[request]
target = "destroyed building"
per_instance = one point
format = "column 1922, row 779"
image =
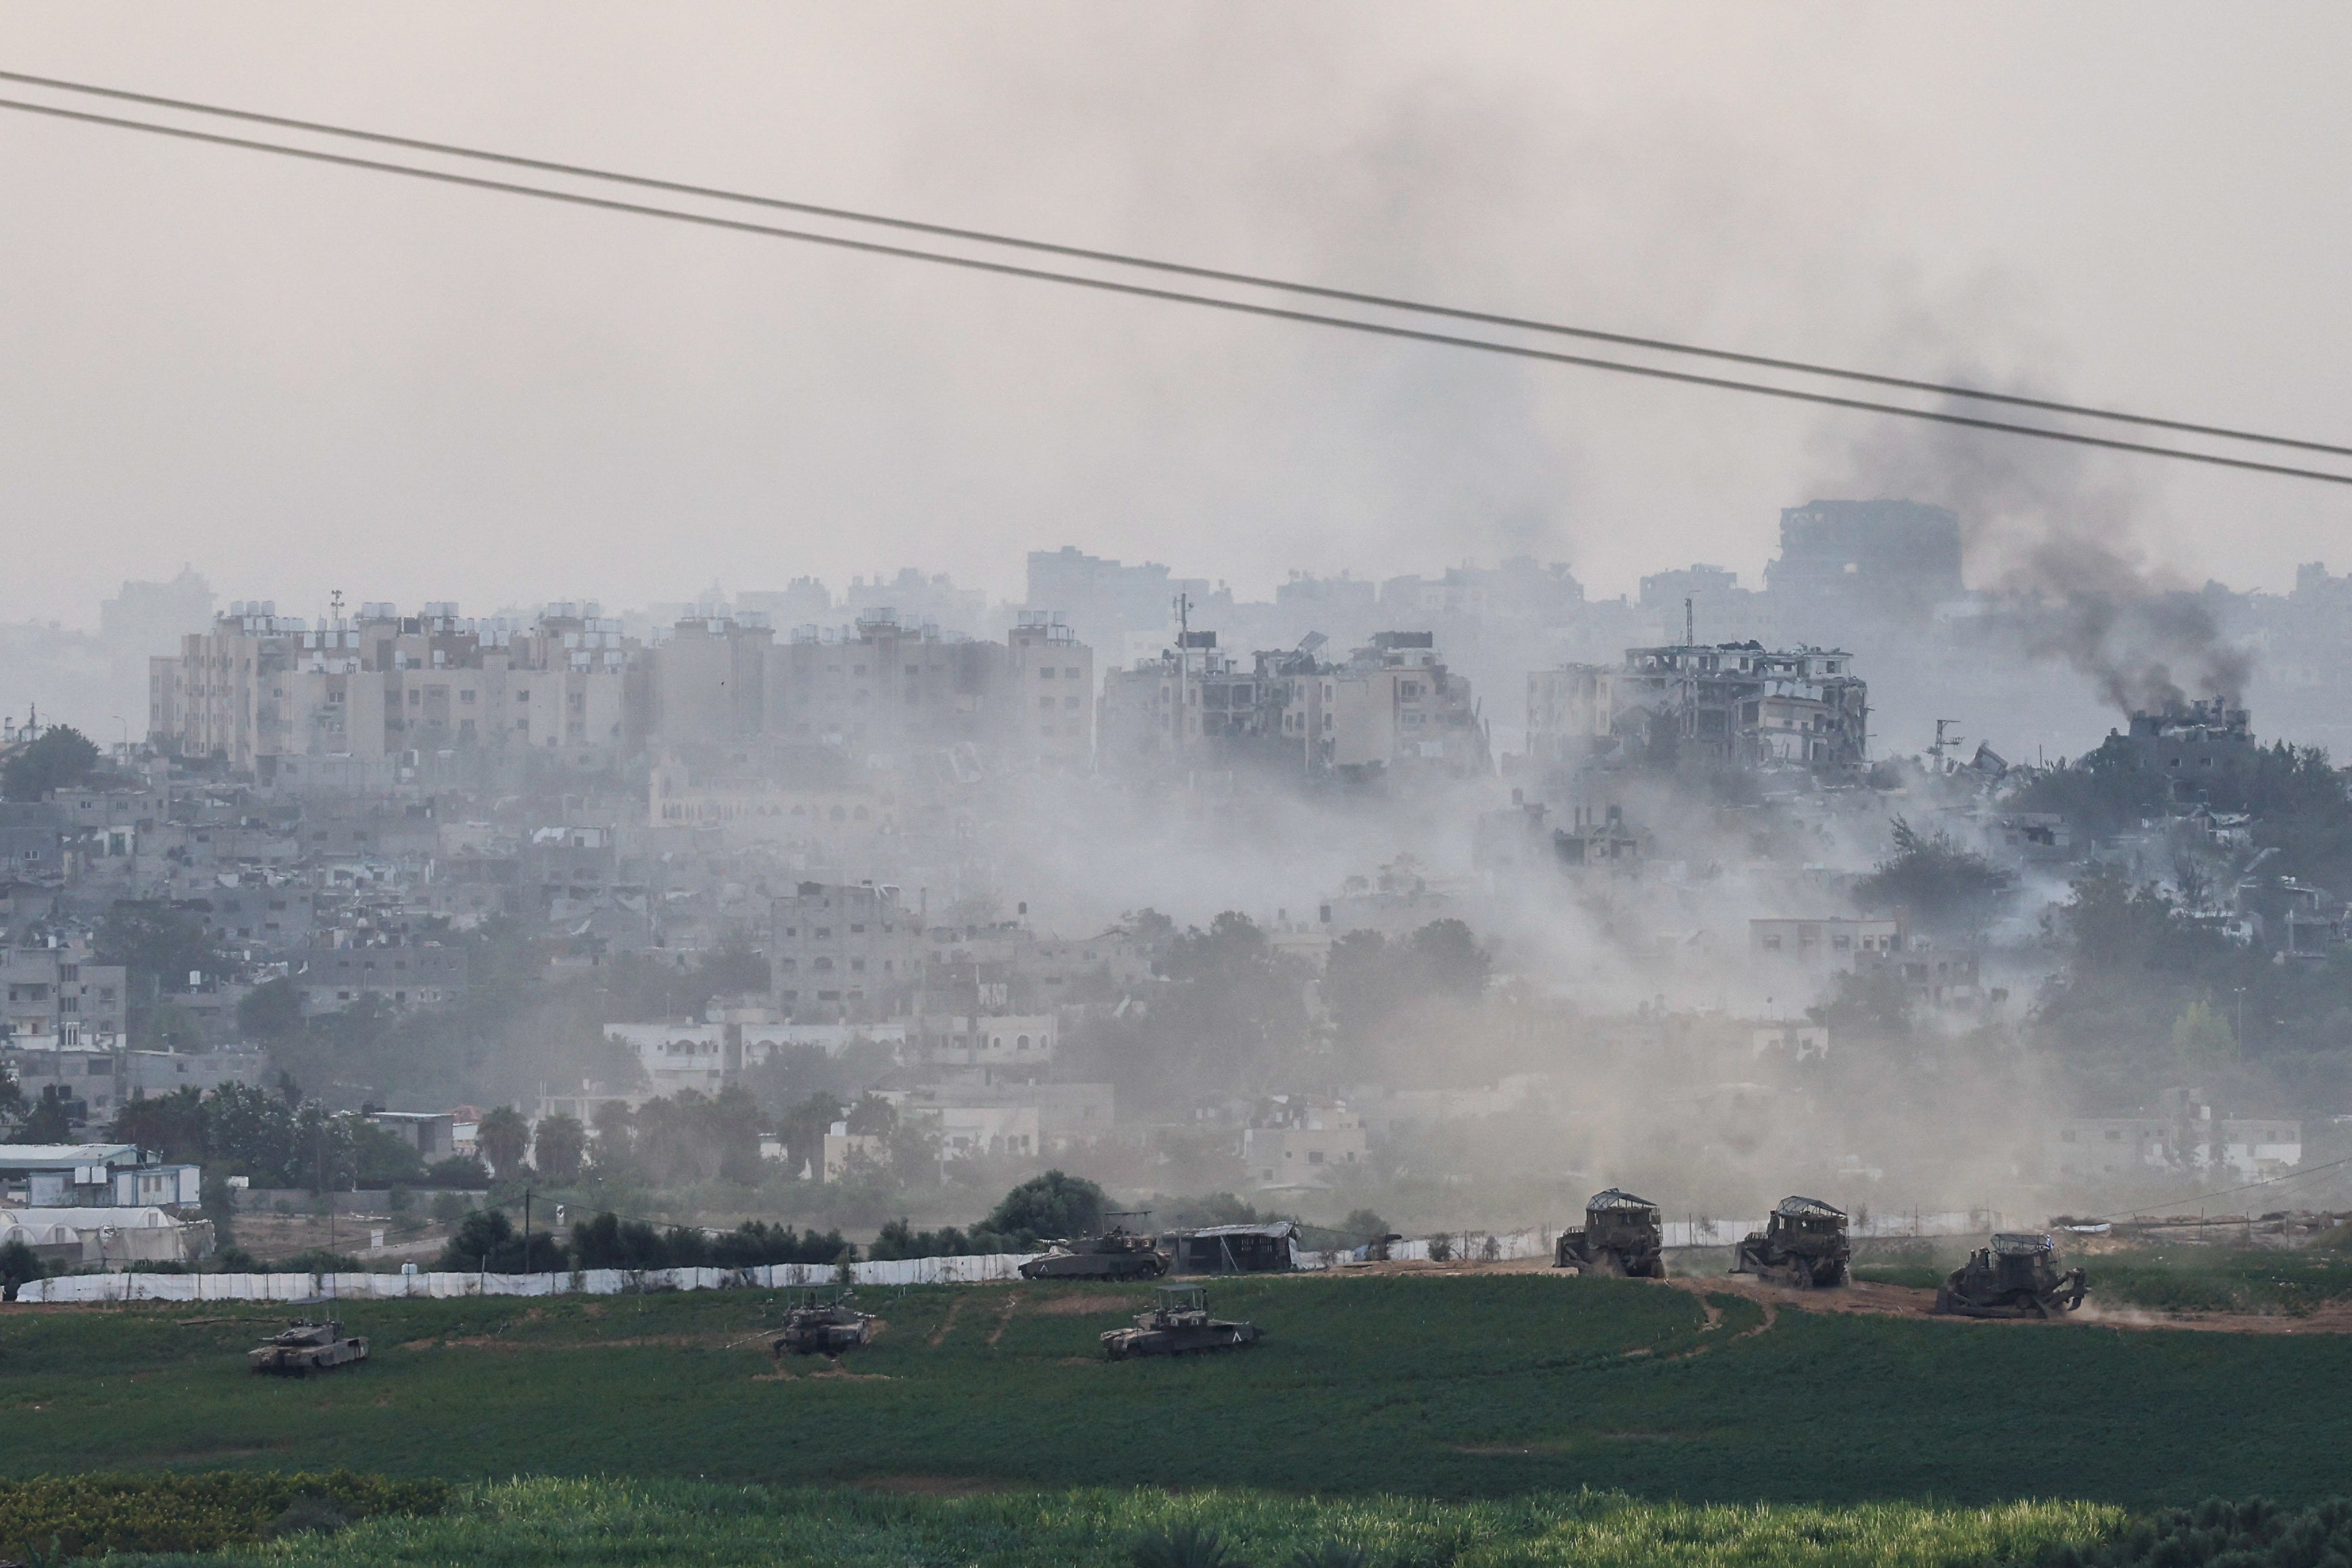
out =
column 2193, row 746
column 1392, row 704
column 1705, row 704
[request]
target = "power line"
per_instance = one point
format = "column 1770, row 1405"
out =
column 1185, row 269
column 1272, row 313
column 2289, row 1177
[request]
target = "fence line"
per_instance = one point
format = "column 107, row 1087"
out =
column 91, row 1289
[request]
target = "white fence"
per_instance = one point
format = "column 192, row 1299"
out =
column 103, row 1288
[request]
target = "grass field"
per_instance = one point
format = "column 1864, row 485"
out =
column 526, row 1524
column 2184, row 1279
column 1438, row 1388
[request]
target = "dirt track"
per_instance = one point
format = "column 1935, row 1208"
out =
column 1900, row 1301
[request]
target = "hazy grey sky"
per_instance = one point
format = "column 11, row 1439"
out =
column 302, row 379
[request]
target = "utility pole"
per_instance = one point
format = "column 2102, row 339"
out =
column 526, row 1230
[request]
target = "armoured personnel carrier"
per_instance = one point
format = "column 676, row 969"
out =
column 1803, row 1243
column 818, row 1323
column 1117, row 1254
column 1621, row 1236
column 1179, row 1324
column 302, row 1348
column 2016, row 1277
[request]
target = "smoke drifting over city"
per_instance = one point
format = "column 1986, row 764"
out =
column 941, row 727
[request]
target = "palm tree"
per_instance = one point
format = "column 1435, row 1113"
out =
column 503, row 1138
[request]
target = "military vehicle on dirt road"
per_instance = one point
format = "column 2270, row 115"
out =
column 1179, row 1324
column 302, row 1348
column 818, row 1322
column 1621, row 1236
column 2016, row 1277
column 1803, row 1243
column 1117, row 1254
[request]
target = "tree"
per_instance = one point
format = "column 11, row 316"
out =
column 562, row 1148
column 12, row 1097
column 50, row 1119
column 1364, row 1222
column 1053, row 1206
column 735, row 969
column 173, row 1125
column 1448, row 960
column 2201, row 1039
column 1944, row 887
column 161, row 946
column 61, row 757
column 504, row 1138
column 20, row 1265
column 616, row 1135
column 271, row 1011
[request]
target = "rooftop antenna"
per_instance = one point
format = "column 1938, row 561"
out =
column 1937, row 750
column 1690, row 623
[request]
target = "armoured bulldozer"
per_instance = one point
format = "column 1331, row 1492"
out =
column 1803, row 1243
column 2016, row 1277
column 820, row 1323
column 1117, row 1254
column 302, row 1348
column 1621, row 1236
column 1179, row 1324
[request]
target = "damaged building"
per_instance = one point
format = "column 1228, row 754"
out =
column 1719, row 705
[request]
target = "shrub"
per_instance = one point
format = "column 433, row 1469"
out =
column 899, row 1239
column 18, row 1265
column 90, row 1514
column 2258, row 1534
column 1184, row 1546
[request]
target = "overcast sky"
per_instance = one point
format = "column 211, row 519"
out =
column 300, row 378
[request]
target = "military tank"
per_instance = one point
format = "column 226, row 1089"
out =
column 1803, row 1243
column 1117, row 1254
column 2016, row 1277
column 821, row 1323
column 1179, row 1324
column 302, row 1348
column 1622, row 1236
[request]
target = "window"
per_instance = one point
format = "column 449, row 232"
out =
column 1046, row 673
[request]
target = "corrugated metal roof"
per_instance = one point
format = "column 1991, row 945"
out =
column 47, row 1156
column 1276, row 1231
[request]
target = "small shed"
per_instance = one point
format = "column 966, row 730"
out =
column 1234, row 1248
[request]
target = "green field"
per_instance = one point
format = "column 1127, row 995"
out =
column 1442, row 1388
column 2182, row 1279
column 526, row 1524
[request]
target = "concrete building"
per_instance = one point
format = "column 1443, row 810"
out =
column 1741, row 704
column 401, row 973
column 1306, row 1145
column 350, row 702
column 52, row 995
column 1049, row 704
column 1572, row 713
column 2193, row 747
column 1835, row 942
column 2181, row 1136
column 843, row 953
column 1874, row 559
